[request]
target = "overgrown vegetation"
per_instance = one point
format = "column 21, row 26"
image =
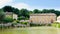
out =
column 56, row 24
column 26, row 13
column 23, row 14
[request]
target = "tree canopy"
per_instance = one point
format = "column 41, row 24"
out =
column 2, row 15
column 23, row 14
column 8, row 9
column 26, row 13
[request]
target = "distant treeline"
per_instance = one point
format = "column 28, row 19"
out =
column 25, row 12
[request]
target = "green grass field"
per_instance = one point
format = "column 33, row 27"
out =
column 31, row 30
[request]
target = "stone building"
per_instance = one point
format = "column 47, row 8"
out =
column 9, row 14
column 42, row 18
column 14, row 16
column 58, row 19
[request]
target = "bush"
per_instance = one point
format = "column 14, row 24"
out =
column 24, row 23
column 1, row 26
column 41, row 24
column 17, row 21
column 49, row 25
column 21, row 18
column 33, row 24
column 8, row 19
column 56, row 24
column 26, row 18
column 14, row 22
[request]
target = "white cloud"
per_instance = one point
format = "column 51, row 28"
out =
column 5, row 2
column 26, row 6
column 22, row 5
column 16, row 5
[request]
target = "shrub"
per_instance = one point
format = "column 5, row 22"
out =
column 1, row 26
column 8, row 19
column 24, row 23
column 21, row 18
column 56, row 24
column 14, row 22
column 49, row 25
column 32, row 24
column 17, row 21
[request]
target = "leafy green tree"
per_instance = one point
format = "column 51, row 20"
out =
column 8, row 9
column 57, row 13
column 47, row 11
column 2, row 16
column 11, row 9
column 24, row 13
column 30, row 12
column 20, row 18
column 16, row 11
column 36, row 11
column 8, row 19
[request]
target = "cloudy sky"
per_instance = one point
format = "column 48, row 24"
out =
column 32, row 4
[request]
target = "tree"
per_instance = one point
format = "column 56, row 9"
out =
column 20, row 18
column 8, row 9
column 36, row 11
column 16, row 11
column 45, row 11
column 24, row 13
column 8, row 19
column 57, row 13
column 2, row 15
column 11, row 9
column 30, row 12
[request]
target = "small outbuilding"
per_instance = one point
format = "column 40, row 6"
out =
column 15, row 16
column 58, row 19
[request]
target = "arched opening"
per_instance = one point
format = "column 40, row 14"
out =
column 51, row 20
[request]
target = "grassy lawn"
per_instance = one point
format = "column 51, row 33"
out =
column 31, row 30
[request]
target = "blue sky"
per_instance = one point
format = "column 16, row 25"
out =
column 32, row 4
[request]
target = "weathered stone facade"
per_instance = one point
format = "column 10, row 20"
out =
column 42, row 18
